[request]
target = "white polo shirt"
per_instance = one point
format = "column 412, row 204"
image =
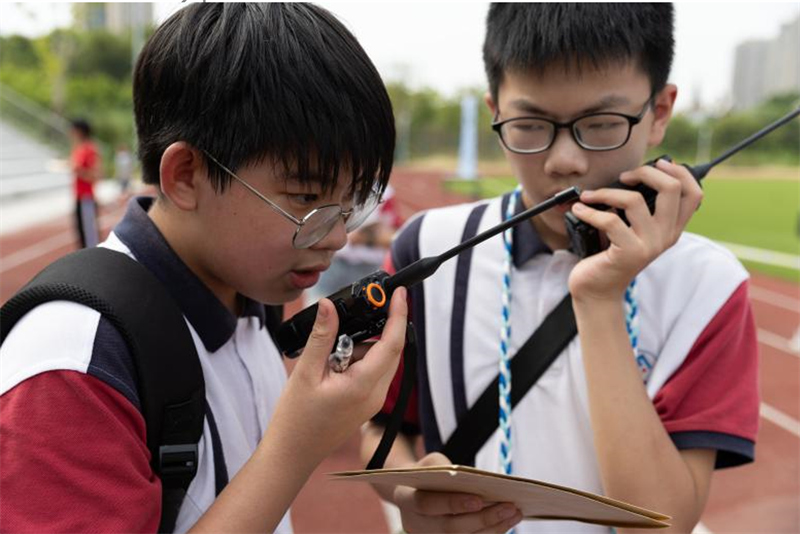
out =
column 74, row 454
column 697, row 345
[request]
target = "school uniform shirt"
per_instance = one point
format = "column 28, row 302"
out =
column 73, row 450
column 697, row 348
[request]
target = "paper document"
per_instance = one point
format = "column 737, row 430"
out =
column 536, row 499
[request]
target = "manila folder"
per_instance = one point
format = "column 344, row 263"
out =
column 536, row 499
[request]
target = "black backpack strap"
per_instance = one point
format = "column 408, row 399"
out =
column 168, row 371
column 527, row 366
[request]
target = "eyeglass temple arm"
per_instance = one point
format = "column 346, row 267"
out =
column 255, row 191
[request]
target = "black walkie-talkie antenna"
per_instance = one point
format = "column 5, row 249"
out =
column 421, row 269
column 699, row 171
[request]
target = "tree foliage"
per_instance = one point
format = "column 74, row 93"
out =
column 88, row 73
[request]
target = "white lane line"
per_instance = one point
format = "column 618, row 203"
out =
column 700, row 528
column 760, row 255
column 30, row 253
column 777, row 417
column 777, row 342
column 24, row 255
column 774, row 298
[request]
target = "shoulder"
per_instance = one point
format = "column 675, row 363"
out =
column 694, row 269
column 53, row 336
column 66, row 336
column 699, row 255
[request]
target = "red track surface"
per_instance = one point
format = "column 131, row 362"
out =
column 761, row 497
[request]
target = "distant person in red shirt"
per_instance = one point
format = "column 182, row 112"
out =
column 85, row 160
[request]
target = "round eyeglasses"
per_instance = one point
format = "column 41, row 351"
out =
column 593, row 131
column 319, row 222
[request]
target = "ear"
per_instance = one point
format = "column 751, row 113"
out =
column 181, row 166
column 490, row 103
column 663, row 104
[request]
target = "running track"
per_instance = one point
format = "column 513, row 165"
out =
column 761, row 497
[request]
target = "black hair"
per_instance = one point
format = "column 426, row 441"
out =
column 83, row 127
column 538, row 36
column 249, row 81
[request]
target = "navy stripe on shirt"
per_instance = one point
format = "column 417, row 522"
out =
column 459, row 314
column 405, row 250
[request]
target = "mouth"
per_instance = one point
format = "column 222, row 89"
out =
column 565, row 207
column 307, row 276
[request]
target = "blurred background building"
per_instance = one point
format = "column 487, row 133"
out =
column 765, row 68
column 112, row 17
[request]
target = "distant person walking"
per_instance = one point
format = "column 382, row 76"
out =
column 85, row 160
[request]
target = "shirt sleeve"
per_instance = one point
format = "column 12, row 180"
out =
column 712, row 400
column 74, row 458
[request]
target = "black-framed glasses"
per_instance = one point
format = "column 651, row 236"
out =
column 319, row 222
column 593, row 131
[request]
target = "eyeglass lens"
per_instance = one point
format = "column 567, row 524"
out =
column 324, row 219
column 593, row 132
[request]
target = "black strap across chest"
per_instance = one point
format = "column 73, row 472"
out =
column 527, row 366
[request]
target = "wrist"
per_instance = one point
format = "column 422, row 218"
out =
column 285, row 436
column 609, row 300
column 599, row 310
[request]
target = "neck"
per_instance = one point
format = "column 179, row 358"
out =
column 181, row 242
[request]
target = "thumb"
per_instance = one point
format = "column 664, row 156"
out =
column 320, row 343
column 434, row 458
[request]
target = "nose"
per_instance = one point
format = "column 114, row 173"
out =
column 565, row 157
column 333, row 240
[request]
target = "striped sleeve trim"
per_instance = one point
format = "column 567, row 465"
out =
column 731, row 450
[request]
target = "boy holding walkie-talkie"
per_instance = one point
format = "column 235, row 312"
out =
column 653, row 378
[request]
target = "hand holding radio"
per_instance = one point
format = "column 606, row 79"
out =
column 321, row 401
column 639, row 218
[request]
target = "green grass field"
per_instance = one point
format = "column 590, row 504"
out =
column 762, row 212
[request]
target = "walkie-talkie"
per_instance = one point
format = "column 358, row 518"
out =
column 585, row 240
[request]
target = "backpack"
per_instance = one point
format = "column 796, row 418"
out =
column 167, row 368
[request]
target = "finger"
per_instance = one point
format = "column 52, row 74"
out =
column 631, row 202
column 609, row 223
column 434, row 458
column 436, row 503
column 387, row 350
column 360, row 350
column 691, row 192
column 504, row 526
column 320, row 343
column 487, row 520
column 668, row 191
column 491, row 519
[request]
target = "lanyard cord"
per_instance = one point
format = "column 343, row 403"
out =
column 504, row 389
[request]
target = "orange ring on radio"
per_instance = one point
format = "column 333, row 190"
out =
column 378, row 303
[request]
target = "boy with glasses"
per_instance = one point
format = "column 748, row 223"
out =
column 236, row 105
column 659, row 386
